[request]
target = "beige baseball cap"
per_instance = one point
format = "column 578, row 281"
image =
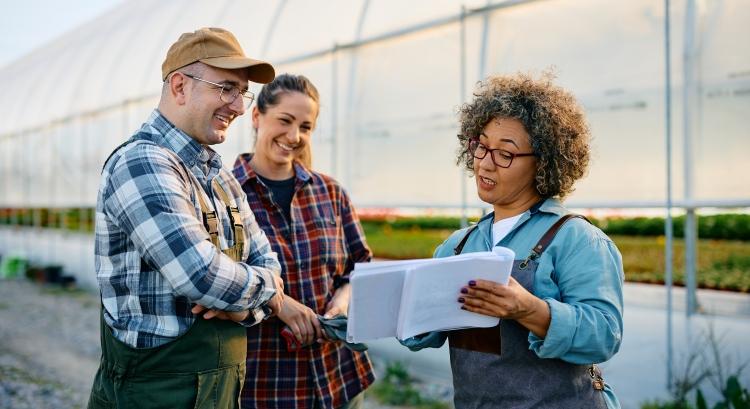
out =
column 215, row 47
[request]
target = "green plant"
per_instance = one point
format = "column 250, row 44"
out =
column 721, row 370
column 397, row 388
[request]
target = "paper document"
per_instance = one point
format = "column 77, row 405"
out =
column 410, row 297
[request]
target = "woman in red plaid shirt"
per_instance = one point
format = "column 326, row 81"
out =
column 311, row 224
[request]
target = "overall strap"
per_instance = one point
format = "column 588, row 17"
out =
column 210, row 218
column 234, row 219
column 547, row 238
column 550, row 234
column 460, row 247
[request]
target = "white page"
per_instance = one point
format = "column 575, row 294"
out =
column 378, row 265
column 374, row 304
column 377, row 293
column 429, row 299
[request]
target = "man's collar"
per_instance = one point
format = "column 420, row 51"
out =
column 188, row 149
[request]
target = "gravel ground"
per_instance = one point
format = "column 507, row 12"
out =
column 49, row 346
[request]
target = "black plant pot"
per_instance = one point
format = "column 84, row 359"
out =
column 36, row 274
column 53, row 274
column 68, row 281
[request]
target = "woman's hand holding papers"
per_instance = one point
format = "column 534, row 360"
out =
column 510, row 301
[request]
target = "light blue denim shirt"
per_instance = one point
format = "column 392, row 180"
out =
column 580, row 276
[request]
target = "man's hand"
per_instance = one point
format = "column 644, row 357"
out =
column 236, row 316
column 277, row 301
column 276, row 304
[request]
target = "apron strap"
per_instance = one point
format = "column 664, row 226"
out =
column 550, row 234
column 547, row 238
column 460, row 247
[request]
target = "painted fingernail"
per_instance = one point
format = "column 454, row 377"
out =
column 463, row 307
column 472, row 283
column 464, row 290
column 461, row 299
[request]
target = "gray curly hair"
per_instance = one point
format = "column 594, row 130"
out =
column 552, row 117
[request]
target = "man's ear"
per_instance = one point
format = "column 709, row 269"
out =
column 177, row 86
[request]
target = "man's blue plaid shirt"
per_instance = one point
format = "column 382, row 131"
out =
column 153, row 256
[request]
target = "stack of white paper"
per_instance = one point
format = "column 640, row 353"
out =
column 410, row 297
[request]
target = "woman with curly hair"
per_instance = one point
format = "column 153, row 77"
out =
column 526, row 142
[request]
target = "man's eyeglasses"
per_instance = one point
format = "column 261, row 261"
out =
column 500, row 157
column 227, row 92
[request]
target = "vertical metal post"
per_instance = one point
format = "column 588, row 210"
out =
column 83, row 214
column 54, row 211
column 688, row 117
column 335, row 111
column 668, row 220
column 350, row 146
column 483, row 46
column 26, row 166
column 462, row 91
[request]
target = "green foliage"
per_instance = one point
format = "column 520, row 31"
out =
column 723, row 265
column 720, row 226
column 397, row 388
column 657, row 404
column 53, row 218
column 736, row 394
column 419, row 222
column 403, row 244
column 720, row 369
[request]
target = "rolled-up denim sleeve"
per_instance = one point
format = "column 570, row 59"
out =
column 586, row 322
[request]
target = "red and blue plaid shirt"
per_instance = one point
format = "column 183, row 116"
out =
column 321, row 240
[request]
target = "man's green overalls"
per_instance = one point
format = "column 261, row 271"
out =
column 203, row 368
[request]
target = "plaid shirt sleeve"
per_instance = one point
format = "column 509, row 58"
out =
column 261, row 258
column 354, row 236
column 149, row 198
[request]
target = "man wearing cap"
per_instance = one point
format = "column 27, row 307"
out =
column 175, row 239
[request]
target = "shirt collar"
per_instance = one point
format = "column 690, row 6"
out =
column 549, row 205
column 243, row 171
column 188, row 149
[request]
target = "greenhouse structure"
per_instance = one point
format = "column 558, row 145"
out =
column 666, row 95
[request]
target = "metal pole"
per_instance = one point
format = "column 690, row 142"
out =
column 462, row 91
column 83, row 214
column 335, row 111
column 350, row 146
column 483, row 46
column 668, row 220
column 688, row 113
column 26, row 199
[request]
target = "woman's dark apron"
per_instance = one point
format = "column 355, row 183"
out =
column 203, row 368
column 494, row 367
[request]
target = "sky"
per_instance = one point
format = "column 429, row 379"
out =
column 27, row 24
